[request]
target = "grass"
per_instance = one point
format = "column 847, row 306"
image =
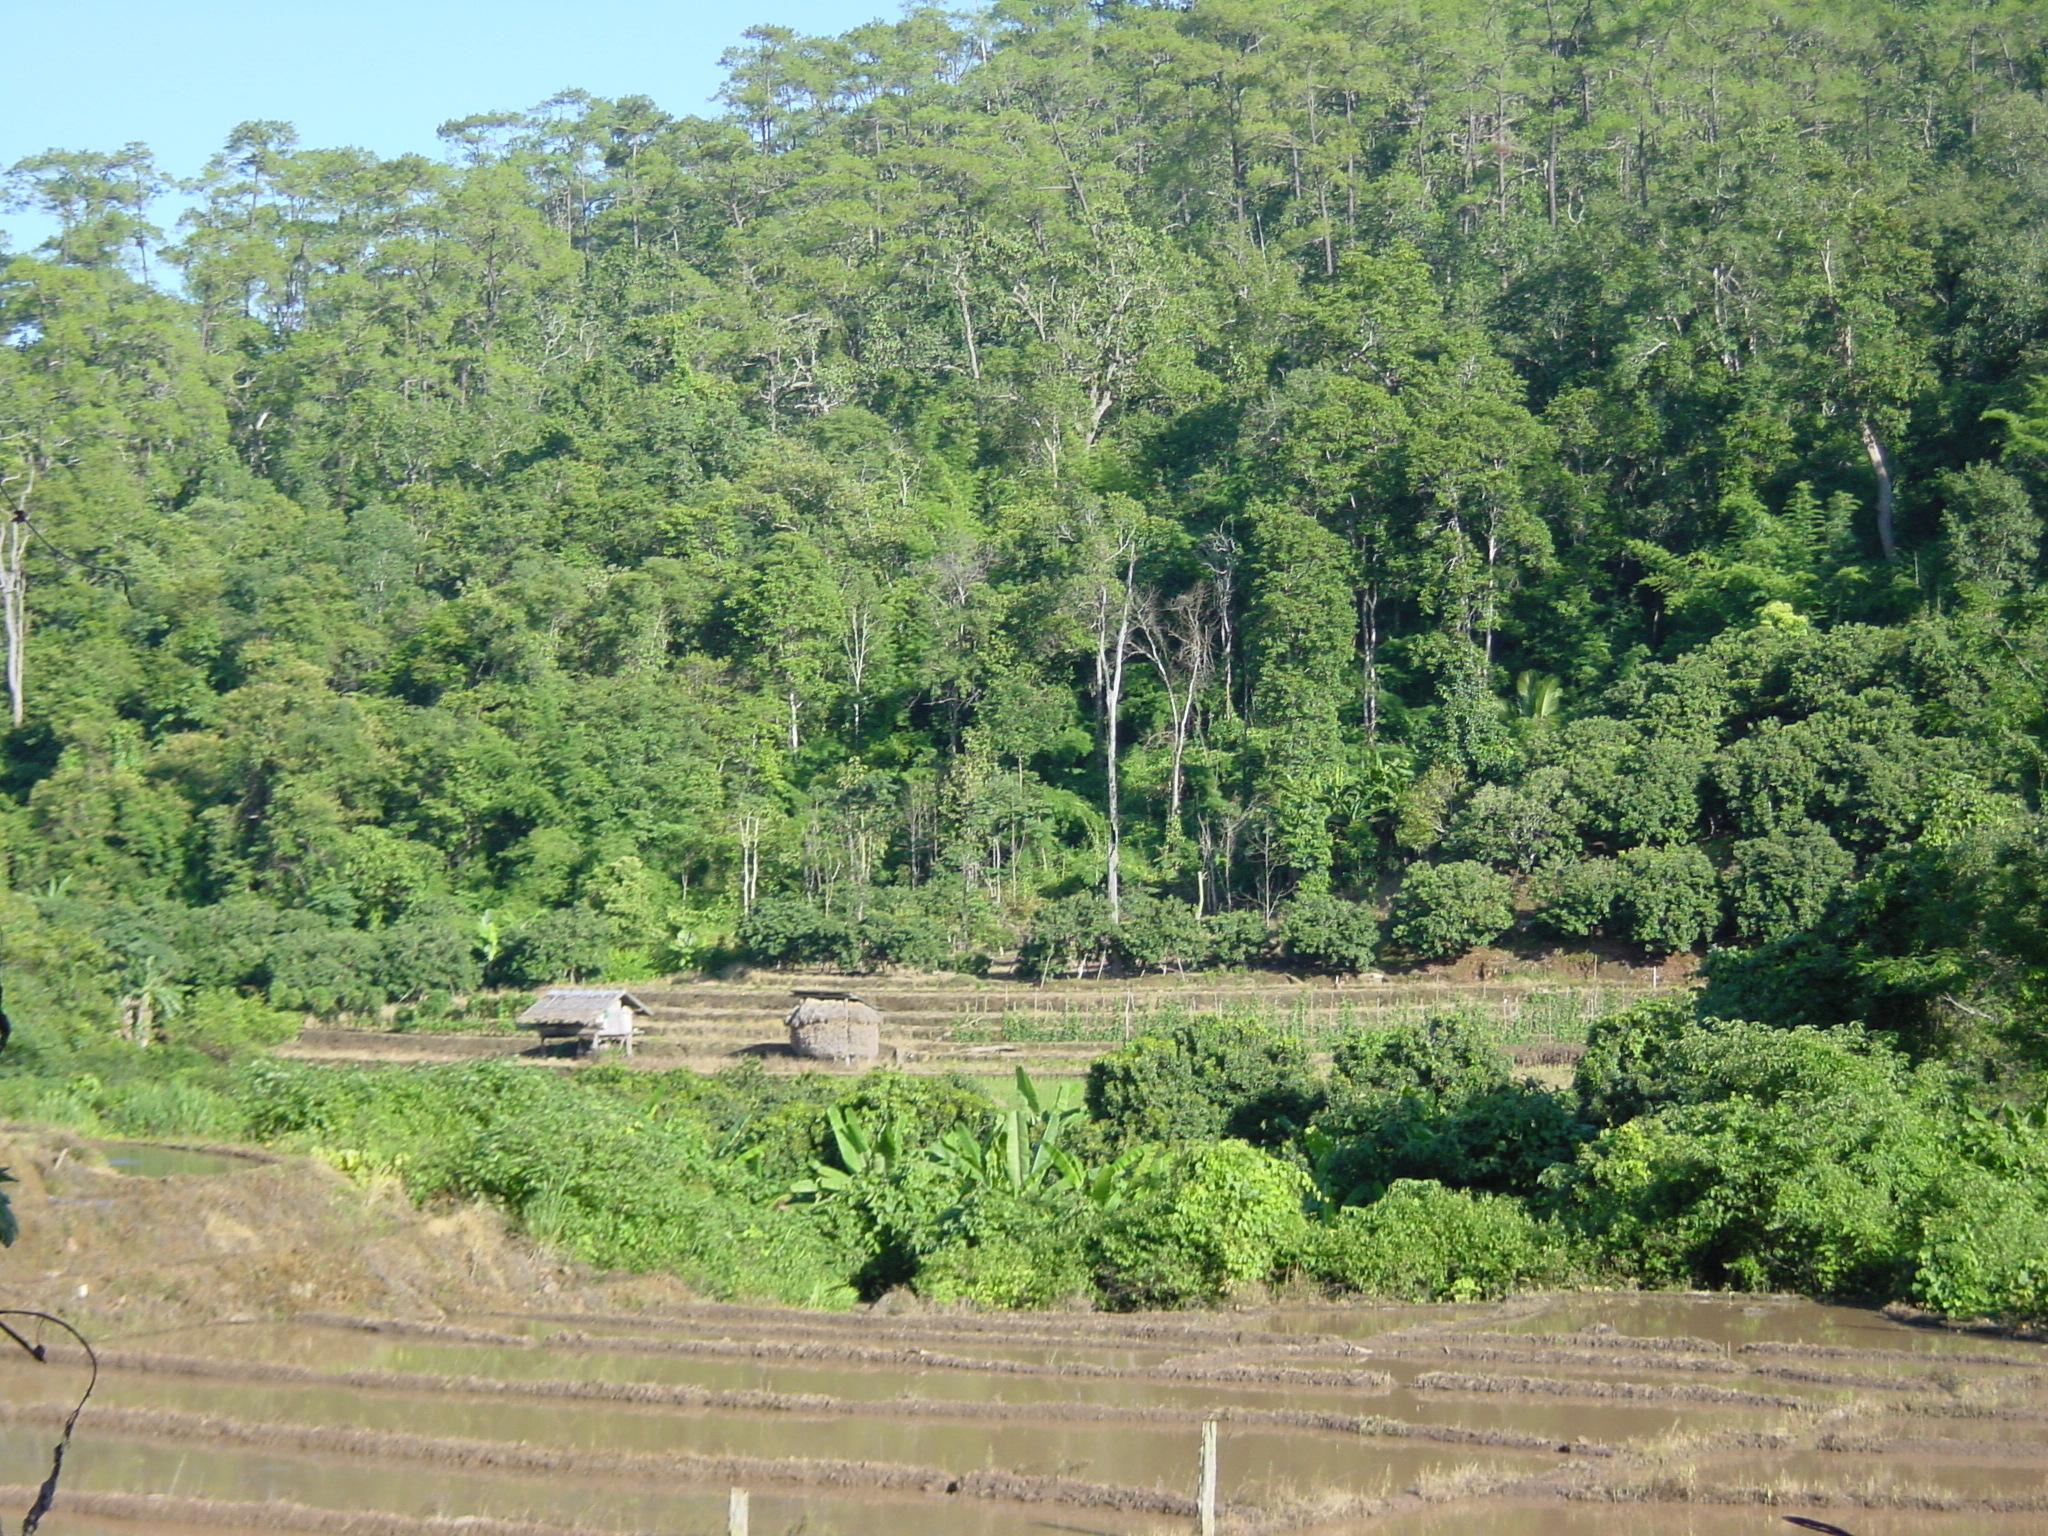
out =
column 1514, row 1016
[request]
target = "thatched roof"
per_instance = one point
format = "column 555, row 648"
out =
column 844, row 1009
column 578, row 1005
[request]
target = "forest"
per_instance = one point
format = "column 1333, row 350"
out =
column 1310, row 483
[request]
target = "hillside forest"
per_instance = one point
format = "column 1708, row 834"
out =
column 1145, row 486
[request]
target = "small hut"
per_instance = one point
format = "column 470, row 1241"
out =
column 594, row 1017
column 834, row 1026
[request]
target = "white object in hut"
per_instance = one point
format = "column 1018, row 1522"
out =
column 834, row 1026
column 595, row 1017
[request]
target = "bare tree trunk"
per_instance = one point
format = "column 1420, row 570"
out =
column 14, row 607
column 1112, row 650
column 1369, row 660
column 1180, row 653
column 1881, row 466
column 749, row 829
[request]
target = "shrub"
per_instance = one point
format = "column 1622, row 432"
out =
column 906, row 937
column 1526, row 828
column 1579, row 898
column 1067, row 937
column 1159, row 933
column 1621, row 1074
column 224, row 1023
column 1779, row 1159
column 626, row 1193
column 324, row 970
column 1667, row 899
column 1328, row 933
column 1435, row 1103
column 783, row 931
column 1222, row 1214
column 1010, row 1253
column 1784, row 882
column 1449, row 1056
column 1238, row 937
column 1444, row 910
column 1201, row 1077
column 1984, row 1250
column 423, row 955
column 1162, row 934
column 568, row 943
column 1422, row 1242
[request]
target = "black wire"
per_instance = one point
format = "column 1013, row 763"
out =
column 104, row 570
column 47, row 1494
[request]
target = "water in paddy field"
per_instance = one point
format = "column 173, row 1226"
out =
column 147, row 1160
column 1581, row 1415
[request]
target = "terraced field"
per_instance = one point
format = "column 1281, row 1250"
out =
column 1581, row 1415
column 951, row 1023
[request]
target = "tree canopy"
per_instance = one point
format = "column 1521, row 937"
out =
column 1217, row 454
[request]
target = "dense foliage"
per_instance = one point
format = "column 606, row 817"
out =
column 1146, row 485
column 1210, row 1159
column 1140, row 481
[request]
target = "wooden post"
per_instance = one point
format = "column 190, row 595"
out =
column 1207, row 1497
column 736, row 1513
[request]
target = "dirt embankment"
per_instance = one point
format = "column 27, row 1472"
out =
column 119, row 1254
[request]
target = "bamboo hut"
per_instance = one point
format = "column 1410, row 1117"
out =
column 594, row 1017
column 834, row 1026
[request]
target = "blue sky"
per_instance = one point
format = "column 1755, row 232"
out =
column 380, row 74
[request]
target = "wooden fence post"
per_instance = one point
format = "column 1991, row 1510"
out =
column 1207, row 1497
column 736, row 1513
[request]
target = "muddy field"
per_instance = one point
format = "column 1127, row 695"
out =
column 284, row 1352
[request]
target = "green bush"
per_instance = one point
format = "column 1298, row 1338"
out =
column 1161, row 934
column 424, row 955
column 1067, row 937
column 783, row 931
column 324, row 970
column 1778, row 1159
column 1621, row 1073
column 1444, row 910
column 1667, row 899
column 224, row 1023
column 1201, row 1077
column 564, row 944
column 1238, row 937
column 1984, row 1250
column 1783, row 883
column 1448, row 1056
column 1328, row 933
column 1011, row 1253
column 1579, row 898
column 1526, row 827
column 1437, row 1102
column 1422, row 1242
column 1221, row 1214
column 904, row 937
column 626, row 1193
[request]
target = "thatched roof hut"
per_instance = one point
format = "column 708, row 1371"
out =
column 834, row 1026
column 594, row 1016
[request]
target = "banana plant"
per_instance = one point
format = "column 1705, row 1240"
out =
column 863, row 1153
column 1018, row 1151
column 1117, row 1183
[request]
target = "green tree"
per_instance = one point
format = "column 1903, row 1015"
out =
column 1443, row 910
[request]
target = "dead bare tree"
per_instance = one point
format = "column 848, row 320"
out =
column 1181, row 642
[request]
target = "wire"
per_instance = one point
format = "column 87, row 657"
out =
column 104, row 570
column 47, row 1494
